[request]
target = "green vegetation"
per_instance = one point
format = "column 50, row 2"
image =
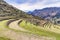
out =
column 9, row 12
column 3, row 24
column 34, row 29
column 3, row 38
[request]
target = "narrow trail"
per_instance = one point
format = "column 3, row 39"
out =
column 14, row 25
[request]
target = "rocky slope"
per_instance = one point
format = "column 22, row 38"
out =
column 9, row 12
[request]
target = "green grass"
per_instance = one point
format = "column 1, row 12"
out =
column 3, row 24
column 34, row 29
column 3, row 38
column 2, row 27
column 52, row 27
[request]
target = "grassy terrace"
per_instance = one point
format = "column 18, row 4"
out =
column 34, row 29
column 3, row 26
column 30, row 29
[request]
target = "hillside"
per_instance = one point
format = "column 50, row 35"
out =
column 10, row 12
column 50, row 13
column 46, row 12
column 18, row 25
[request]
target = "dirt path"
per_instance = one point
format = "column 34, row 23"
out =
column 14, row 25
column 23, row 36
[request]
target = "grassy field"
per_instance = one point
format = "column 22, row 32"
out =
column 34, row 29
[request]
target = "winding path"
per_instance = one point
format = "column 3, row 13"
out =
column 14, row 25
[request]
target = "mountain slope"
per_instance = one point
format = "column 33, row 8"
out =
column 36, row 28
column 9, row 12
column 51, row 13
column 46, row 12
